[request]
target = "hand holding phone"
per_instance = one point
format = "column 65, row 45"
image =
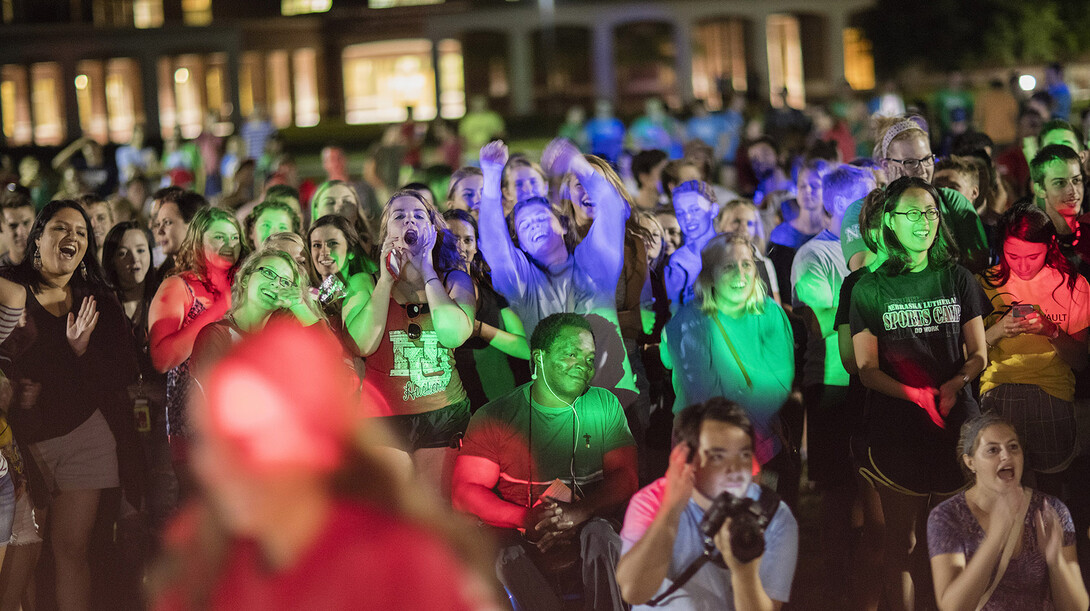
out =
column 1021, row 310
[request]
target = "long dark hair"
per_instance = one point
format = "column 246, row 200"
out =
column 89, row 276
column 109, row 249
column 943, row 251
column 478, row 269
column 1026, row 221
column 357, row 255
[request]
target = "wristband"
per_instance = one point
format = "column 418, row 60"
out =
column 436, row 278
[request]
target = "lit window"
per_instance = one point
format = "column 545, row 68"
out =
column 278, row 88
column 395, row 3
column 250, row 78
column 858, row 60
column 91, row 99
column 216, row 86
column 719, row 53
column 17, row 126
column 303, row 7
column 147, row 13
column 47, row 103
column 197, row 12
column 784, row 61
column 180, row 89
column 382, row 79
column 124, row 106
column 305, row 77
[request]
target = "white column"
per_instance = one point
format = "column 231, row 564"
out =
column 683, row 63
column 602, row 53
column 835, row 22
column 757, row 57
column 520, row 55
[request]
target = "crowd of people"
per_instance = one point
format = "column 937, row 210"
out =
column 598, row 377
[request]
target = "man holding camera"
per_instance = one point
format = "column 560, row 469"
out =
column 546, row 465
column 664, row 540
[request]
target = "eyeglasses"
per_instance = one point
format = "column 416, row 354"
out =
column 915, row 215
column 282, row 282
column 914, row 164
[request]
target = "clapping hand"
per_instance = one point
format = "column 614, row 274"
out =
column 1049, row 533
column 80, row 327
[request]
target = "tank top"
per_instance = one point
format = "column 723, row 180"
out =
column 178, row 378
column 411, row 370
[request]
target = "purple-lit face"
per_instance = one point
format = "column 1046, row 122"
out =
column 523, row 183
column 538, row 230
column 695, row 214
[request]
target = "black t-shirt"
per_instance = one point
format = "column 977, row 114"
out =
column 917, row 318
column 843, row 309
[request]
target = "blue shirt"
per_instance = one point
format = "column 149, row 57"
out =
column 606, row 138
column 710, row 588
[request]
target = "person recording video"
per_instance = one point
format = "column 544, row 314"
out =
column 705, row 535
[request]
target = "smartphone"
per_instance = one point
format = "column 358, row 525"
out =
column 1021, row 310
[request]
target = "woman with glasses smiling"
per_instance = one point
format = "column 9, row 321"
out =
column 918, row 334
column 269, row 283
column 903, row 148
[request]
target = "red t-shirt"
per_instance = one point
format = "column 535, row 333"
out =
column 364, row 559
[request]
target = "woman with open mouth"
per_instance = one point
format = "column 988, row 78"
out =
column 268, row 283
column 197, row 294
column 734, row 341
column 421, row 308
column 918, row 334
column 70, row 364
column 999, row 544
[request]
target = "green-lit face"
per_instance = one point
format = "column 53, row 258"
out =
column 568, row 365
column 272, row 277
column 1062, row 187
column 917, row 234
column 1061, row 136
column 270, row 222
column 737, row 281
column 328, row 250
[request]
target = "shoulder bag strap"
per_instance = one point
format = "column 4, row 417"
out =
column 733, row 352
column 1008, row 551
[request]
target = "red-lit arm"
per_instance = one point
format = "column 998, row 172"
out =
column 866, row 356
column 170, row 339
column 471, row 492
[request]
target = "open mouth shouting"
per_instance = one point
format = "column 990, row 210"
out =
column 68, row 251
column 1006, row 474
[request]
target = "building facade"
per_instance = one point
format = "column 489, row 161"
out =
column 101, row 67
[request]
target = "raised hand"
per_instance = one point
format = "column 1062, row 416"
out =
column 79, row 328
column 679, row 477
column 420, row 252
column 494, row 156
column 560, row 156
column 392, row 255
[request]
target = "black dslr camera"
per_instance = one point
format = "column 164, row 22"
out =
column 749, row 518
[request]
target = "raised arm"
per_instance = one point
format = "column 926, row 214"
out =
column 170, row 339
column 495, row 240
column 365, row 311
column 67, row 152
column 642, row 569
column 602, row 251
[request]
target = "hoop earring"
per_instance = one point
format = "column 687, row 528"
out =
column 37, row 263
column 83, row 270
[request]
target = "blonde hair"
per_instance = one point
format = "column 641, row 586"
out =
column 759, row 240
column 888, row 130
column 716, row 257
column 190, row 257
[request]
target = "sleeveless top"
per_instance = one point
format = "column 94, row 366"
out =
column 178, row 378
column 411, row 370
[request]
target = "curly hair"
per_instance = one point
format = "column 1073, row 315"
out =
column 251, row 264
column 190, row 257
column 546, row 331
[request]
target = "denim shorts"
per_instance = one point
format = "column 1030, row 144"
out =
column 7, row 507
